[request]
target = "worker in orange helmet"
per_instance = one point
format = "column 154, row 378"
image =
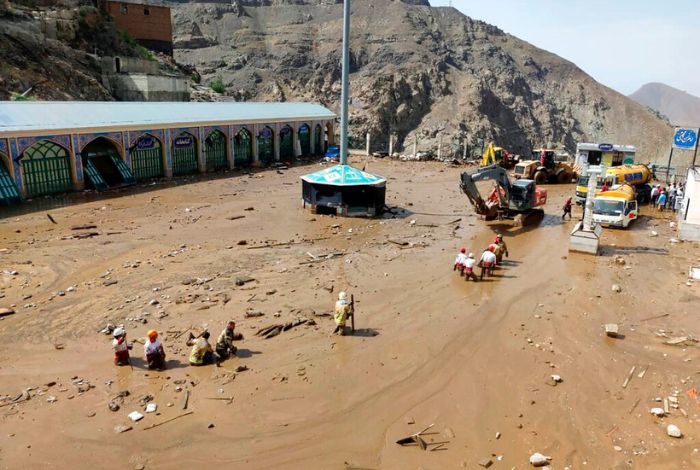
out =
column 155, row 354
column 503, row 248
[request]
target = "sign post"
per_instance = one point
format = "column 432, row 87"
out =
column 683, row 139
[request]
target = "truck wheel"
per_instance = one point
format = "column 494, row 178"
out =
column 563, row 178
column 540, row 177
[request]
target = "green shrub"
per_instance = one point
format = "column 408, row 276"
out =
column 217, row 85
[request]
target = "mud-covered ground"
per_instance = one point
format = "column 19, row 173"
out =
column 474, row 359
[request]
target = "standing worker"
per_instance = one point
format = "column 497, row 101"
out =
column 153, row 349
column 655, row 194
column 342, row 311
column 121, row 347
column 503, row 248
column 662, row 200
column 201, row 353
column 460, row 260
column 487, row 262
column 567, row 208
column 224, row 345
column 469, row 268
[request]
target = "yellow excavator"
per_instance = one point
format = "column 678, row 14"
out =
column 497, row 156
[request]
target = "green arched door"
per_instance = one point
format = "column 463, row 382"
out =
column 243, row 148
column 305, row 139
column 46, row 169
column 286, row 143
column 184, row 152
column 215, row 151
column 147, row 158
column 266, row 145
column 9, row 194
column 317, row 140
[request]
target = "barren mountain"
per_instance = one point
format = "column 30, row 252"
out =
column 679, row 106
column 416, row 71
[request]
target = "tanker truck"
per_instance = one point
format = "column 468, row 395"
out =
column 616, row 207
column 637, row 176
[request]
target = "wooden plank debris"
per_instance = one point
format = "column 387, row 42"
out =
column 629, row 377
column 167, row 421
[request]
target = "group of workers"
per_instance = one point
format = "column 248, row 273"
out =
column 670, row 198
column 201, row 354
column 490, row 258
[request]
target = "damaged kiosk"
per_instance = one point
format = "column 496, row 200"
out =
column 343, row 189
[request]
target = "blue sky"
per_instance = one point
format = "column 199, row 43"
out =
column 621, row 43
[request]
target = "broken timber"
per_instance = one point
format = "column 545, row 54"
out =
column 271, row 331
column 167, row 421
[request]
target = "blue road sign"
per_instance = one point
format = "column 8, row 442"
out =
column 685, row 139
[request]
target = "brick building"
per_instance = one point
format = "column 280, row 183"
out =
column 149, row 24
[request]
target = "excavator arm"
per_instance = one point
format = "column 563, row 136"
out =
column 489, row 207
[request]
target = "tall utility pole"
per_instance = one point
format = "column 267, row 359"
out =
column 345, row 84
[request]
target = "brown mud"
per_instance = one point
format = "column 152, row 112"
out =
column 474, row 359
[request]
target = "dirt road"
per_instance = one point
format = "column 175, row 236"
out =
column 475, row 360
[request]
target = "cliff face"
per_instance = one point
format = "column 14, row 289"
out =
column 416, row 71
column 680, row 107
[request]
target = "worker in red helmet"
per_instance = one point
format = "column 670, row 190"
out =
column 487, row 262
column 502, row 246
column 460, row 261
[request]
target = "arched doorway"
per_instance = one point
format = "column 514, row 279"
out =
column 45, row 169
column 305, row 139
column 317, row 140
column 147, row 157
column 243, row 148
column 215, row 153
column 286, row 143
column 184, row 152
column 9, row 194
column 103, row 166
column 266, row 145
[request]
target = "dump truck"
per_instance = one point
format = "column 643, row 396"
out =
column 508, row 199
column 497, row 156
column 616, row 207
column 545, row 168
column 638, row 176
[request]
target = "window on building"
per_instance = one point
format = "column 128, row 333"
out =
column 146, row 11
column 124, row 8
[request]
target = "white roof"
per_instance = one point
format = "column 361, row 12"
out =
column 616, row 147
column 53, row 117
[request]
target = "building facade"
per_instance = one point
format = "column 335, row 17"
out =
column 150, row 25
column 54, row 147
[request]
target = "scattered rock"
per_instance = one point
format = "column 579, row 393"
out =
column 612, row 330
column 120, row 428
column 486, row 462
column 620, row 260
column 151, row 408
column 539, row 460
column 6, row 311
column 556, row 378
column 253, row 313
column 617, row 448
column 657, row 412
column 243, row 280
column 616, row 288
column 654, row 233
column 673, row 431
column 52, row 399
column 135, row 416
column 210, row 426
column 241, row 368
column 91, row 414
column 242, row 242
column 110, row 282
column 113, row 406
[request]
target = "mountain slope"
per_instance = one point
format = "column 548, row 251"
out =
column 679, row 106
column 416, row 71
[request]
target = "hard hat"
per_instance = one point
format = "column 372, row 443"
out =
column 153, row 334
column 462, row 250
column 499, row 236
column 490, row 248
column 119, row 331
column 470, row 255
column 342, row 296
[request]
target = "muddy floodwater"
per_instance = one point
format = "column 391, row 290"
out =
column 474, row 360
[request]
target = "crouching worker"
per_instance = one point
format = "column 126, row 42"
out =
column 469, row 265
column 487, row 262
column 342, row 311
column 155, row 354
column 460, row 261
column 121, row 347
column 201, row 353
column 224, row 345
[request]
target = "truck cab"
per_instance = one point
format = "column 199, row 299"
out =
column 616, row 208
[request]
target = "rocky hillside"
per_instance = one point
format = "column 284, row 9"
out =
column 679, row 106
column 416, row 71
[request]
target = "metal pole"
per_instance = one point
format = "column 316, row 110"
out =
column 668, row 167
column 695, row 154
column 345, row 91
